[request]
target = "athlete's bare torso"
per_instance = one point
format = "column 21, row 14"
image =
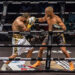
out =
column 19, row 24
column 53, row 20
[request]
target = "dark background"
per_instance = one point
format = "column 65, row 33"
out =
column 37, row 9
column 14, row 10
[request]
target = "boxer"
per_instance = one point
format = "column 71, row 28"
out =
column 54, row 24
column 21, row 24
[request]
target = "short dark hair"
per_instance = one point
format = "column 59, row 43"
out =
column 26, row 15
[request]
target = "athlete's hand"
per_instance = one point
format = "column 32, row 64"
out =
column 31, row 20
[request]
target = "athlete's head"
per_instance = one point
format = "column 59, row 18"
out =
column 49, row 11
column 26, row 16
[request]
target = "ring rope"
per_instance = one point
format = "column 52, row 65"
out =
column 38, row 45
column 40, row 24
column 14, row 13
column 34, row 59
column 34, row 2
column 39, row 32
column 31, row 71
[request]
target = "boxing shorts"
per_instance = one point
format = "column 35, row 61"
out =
column 19, row 39
column 56, row 38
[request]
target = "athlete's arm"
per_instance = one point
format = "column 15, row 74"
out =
column 33, row 19
column 61, row 23
column 43, row 19
column 23, row 26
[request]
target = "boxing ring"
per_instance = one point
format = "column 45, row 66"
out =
column 49, row 46
column 48, row 58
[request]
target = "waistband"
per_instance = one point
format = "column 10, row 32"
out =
column 18, row 36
